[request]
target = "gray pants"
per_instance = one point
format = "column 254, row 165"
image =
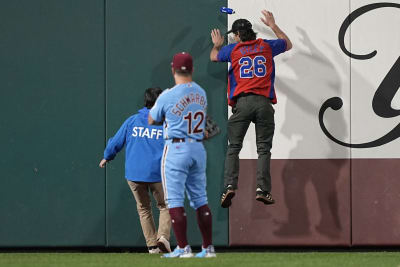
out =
column 257, row 109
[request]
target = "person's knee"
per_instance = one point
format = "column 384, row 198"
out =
column 205, row 209
column 234, row 148
column 175, row 203
column 162, row 206
column 143, row 209
column 196, row 203
column 263, row 150
column 143, row 203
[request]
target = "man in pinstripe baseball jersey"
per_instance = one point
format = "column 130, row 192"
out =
column 183, row 165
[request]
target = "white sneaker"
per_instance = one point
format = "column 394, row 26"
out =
column 154, row 251
column 208, row 252
column 163, row 245
column 178, row 252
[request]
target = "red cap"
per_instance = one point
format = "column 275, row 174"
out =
column 182, row 61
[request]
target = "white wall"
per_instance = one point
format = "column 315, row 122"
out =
column 377, row 30
column 316, row 69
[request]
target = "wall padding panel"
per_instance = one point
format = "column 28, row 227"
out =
column 142, row 38
column 52, row 123
column 375, row 103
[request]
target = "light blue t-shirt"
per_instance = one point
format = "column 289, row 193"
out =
column 184, row 108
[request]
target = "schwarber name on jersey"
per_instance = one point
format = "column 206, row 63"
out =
column 184, row 109
column 252, row 67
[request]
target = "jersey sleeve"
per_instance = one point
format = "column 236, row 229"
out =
column 224, row 55
column 116, row 143
column 157, row 112
column 278, row 46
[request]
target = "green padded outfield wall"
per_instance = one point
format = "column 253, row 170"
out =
column 71, row 73
column 52, row 126
column 142, row 37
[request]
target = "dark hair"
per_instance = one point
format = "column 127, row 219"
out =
column 151, row 95
column 185, row 73
column 247, row 35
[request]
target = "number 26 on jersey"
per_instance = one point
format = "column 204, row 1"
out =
column 252, row 67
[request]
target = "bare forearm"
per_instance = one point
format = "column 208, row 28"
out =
column 281, row 35
column 218, row 41
column 214, row 53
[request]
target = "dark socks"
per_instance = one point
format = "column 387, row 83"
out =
column 204, row 219
column 178, row 218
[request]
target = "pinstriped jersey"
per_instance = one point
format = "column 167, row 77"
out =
column 183, row 109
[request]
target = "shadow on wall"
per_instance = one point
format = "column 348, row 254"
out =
column 296, row 175
column 314, row 71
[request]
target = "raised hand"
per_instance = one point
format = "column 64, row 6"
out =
column 217, row 38
column 268, row 18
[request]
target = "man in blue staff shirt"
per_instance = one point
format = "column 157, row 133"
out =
column 144, row 147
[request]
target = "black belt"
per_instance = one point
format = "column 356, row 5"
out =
column 243, row 95
column 182, row 140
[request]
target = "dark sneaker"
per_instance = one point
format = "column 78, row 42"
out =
column 163, row 245
column 264, row 196
column 227, row 195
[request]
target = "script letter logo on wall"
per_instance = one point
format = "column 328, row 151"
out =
column 384, row 95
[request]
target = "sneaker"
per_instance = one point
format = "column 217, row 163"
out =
column 163, row 245
column 227, row 195
column 178, row 252
column 208, row 252
column 264, row 196
column 154, row 250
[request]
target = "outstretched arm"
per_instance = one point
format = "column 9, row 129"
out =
column 218, row 41
column 114, row 145
column 269, row 21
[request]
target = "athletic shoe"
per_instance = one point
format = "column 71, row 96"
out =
column 178, row 252
column 163, row 245
column 208, row 252
column 154, row 250
column 264, row 196
column 227, row 195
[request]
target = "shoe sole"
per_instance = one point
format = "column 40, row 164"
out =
column 265, row 201
column 227, row 201
column 207, row 256
column 188, row 255
column 162, row 247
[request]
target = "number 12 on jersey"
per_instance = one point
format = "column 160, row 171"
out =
column 250, row 67
column 198, row 117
